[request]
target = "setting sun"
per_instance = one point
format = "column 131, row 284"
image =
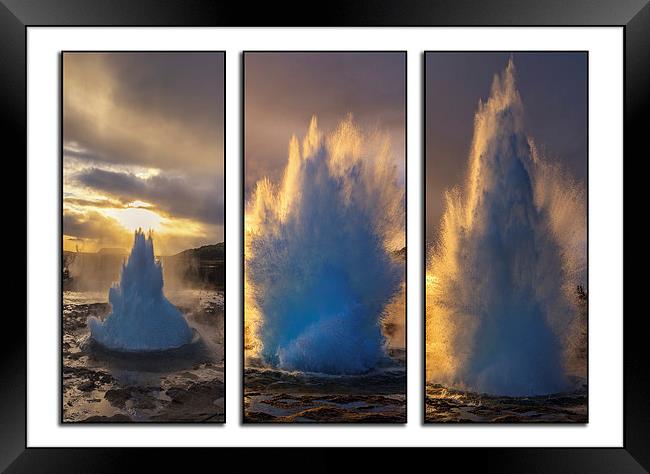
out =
column 134, row 218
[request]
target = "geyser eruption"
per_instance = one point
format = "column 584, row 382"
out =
column 319, row 270
column 500, row 289
column 142, row 319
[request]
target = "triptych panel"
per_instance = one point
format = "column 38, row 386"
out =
column 324, row 265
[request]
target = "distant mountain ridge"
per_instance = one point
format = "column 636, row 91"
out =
column 205, row 252
column 112, row 251
column 202, row 267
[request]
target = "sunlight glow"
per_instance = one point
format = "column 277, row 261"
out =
column 133, row 218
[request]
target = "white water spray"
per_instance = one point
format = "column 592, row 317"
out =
column 319, row 269
column 142, row 319
column 501, row 285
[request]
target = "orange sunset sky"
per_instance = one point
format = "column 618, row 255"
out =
column 143, row 147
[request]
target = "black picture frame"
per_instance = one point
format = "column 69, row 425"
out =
column 633, row 16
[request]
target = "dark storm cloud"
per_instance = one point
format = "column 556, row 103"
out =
column 104, row 203
column 553, row 88
column 91, row 225
column 124, row 113
column 283, row 91
column 162, row 110
column 194, row 197
column 188, row 86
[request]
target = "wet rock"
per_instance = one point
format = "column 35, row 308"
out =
column 220, row 403
column 83, row 373
column 447, row 405
column 144, row 403
column 87, row 386
column 118, row 417
column 322, row 413
column 196, row 393
column 118, row 396
column 257, row 417
column 507, row 419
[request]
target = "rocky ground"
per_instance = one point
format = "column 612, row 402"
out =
column 448, row 405
column 285, row 397
column 184, row 385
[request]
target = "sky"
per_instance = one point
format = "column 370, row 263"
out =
column 143, row 146
column 284, row 90
column 553, row 88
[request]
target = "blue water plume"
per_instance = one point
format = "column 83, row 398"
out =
column 512, row 248
column 142, row 319
column 319, row 269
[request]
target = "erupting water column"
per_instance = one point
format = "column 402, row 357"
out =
column 142, row 318
column 319, row 269
column 512, row 248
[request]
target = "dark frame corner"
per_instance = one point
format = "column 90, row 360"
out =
column 17, row 15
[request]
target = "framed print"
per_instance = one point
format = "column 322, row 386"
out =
column 298, row 362
column 506, row 244
column 143, row 260
column 323, row 343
